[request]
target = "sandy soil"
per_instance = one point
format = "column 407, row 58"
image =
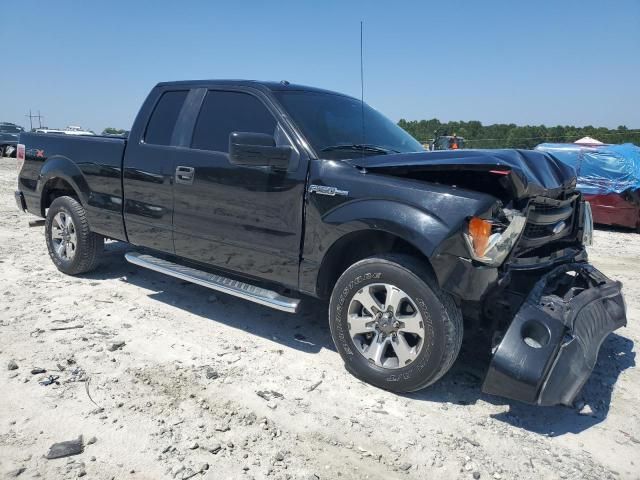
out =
column 207, row 386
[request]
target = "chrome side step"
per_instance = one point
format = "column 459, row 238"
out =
column 236, row 288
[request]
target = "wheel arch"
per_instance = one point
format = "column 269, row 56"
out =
column 59, row 177
column 357, row 245
column 374, row 226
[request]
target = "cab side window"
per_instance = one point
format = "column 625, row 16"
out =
column 226, row 112
column 164, row 117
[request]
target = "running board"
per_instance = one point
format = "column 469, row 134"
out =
column 236, row 288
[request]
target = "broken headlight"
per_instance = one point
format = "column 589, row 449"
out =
column 587, row 225
column 490, row 241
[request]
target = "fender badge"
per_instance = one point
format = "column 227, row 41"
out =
column 325, row 190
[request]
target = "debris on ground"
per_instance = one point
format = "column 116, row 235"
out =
column 314, row 386
column 116, row 346
column 12, row 365
column 50, row 380
column 17, row 472
column 269, row 394
column 214, row 448
column 71, row 327
column 38, row 370
column 65, row 449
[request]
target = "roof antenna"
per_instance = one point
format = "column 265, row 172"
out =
column 362, row 89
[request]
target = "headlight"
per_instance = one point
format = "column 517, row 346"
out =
column 587, row 225
column 490, row 241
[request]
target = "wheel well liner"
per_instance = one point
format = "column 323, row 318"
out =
column 54, row 188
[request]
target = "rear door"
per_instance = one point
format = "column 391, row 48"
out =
column 149, row 167
column 245, row 219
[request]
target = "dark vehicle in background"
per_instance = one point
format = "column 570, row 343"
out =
column 262, row 190
column 447, row 142
column 9, row 133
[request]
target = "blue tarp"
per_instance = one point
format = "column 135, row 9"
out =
column 601, row 169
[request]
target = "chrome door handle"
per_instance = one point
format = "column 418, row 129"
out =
column 185, row 175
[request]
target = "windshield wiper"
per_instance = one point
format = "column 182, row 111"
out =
column 359, row 147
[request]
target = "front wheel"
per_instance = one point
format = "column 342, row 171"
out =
column 73, row 247
column 392, row 325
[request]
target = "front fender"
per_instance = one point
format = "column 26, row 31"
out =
column 423, row 229
column 63, row 168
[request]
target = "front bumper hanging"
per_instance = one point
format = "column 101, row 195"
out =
column 552, row 344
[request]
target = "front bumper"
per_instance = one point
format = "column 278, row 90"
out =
column 552, row 344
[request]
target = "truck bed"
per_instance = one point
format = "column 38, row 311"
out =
column 92, row 163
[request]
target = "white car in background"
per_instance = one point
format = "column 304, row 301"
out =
column 70, row 130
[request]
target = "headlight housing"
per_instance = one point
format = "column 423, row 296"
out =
column 490, row 241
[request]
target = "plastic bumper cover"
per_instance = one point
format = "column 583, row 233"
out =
column 552, row 344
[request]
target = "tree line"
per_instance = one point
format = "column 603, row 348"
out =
column 477, row 135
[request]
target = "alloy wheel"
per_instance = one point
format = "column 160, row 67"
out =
column 386, row 326
column 63, row 236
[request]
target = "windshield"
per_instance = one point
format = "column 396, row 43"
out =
column 332, row 123
column 10, row 129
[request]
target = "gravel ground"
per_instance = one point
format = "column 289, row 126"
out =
column 164, row 379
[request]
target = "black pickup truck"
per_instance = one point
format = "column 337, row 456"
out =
column 262, row 189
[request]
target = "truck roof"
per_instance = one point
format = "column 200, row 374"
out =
column 263, row 85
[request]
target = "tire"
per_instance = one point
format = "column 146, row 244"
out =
column 441, row 326
column 82, row 249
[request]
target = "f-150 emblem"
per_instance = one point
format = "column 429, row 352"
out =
column 325, row 190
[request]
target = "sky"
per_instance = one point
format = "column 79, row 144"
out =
column 546, row 62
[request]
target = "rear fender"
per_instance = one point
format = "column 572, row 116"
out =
column 60, row 167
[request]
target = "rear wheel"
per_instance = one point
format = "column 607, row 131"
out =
column 392, row 325
column 72, row 246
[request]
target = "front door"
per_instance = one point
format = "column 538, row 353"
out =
column 244, row 219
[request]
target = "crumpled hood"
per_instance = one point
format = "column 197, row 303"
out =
column 531, row 173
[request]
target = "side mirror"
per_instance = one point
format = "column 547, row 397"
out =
column 257, row 150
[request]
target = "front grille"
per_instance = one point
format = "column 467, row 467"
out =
column 548, row 221
column 531, row 230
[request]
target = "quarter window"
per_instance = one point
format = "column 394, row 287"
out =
column 226, row 112
column 164, row 117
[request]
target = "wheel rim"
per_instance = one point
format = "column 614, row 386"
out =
column 63, row 236
column 386, row 326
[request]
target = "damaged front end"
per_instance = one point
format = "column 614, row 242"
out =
column 519, row 269
column 551, row 346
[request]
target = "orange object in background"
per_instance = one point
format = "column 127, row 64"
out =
column 479, row 230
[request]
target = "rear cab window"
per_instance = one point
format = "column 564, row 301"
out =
column 163, row 119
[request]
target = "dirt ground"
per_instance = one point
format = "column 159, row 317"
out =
column 165, row 379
